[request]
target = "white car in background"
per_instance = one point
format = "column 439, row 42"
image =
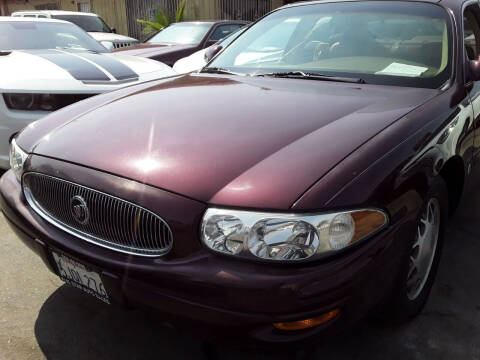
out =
column 91, row 23
column 48, row 64
column 199, row 59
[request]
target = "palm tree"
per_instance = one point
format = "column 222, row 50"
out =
column 161, row 19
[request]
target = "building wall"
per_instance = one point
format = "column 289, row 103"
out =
column 3, row 8
column 114, row 12
column 16, row 5
column 277, row 3
column 202, row 10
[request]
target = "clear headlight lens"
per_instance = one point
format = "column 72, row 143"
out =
column 17, row 159
column 224, row 233
column 340, row 231
column 277, row 239
column 287, row 237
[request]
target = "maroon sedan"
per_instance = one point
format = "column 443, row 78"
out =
column 304, row 183
column 180, row 40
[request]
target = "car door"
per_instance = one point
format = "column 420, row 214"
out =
column 220, row 32
column 471, row 36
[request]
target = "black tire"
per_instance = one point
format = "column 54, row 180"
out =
column 399, row 308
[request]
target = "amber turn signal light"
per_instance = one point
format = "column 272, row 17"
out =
column 366, row 223
column 307, row 323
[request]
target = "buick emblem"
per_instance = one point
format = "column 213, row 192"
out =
column 79, row 210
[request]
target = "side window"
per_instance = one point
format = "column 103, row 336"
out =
column 223, row 31
column 471, row 32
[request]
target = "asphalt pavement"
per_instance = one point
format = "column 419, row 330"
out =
column 42, row 318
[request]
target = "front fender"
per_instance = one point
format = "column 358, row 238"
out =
column 397, row 173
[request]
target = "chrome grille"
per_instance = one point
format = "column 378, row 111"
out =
column 111, row 222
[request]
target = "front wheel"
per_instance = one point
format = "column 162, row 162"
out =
column 419, row 269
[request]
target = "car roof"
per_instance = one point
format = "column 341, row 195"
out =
column 21, row 19
column 54, row 12
column 312, row 2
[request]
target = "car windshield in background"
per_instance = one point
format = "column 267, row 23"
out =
column 45, row 35
column 87, row 23
column 231, row 37
column 390, row 43
column 181, row 33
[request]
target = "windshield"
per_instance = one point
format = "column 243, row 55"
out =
column 86, row 22
column 181, row 33
column 391, row 43
column 45, row 35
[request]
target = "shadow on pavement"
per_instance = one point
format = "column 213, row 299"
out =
column 73, row 326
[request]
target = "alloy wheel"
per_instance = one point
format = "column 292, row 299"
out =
column 424, row 249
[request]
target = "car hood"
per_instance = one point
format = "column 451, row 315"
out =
column 53, row 70
column 153, row 50
column 225, row 140
column 101, row 36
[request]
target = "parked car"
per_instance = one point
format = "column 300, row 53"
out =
column 198, row 60
column 288, row 198
column 47, row 64
column 180, row 40
column 91, row 23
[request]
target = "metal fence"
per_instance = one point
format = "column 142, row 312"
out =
column 145, row 9
column 244, row 9
column 229, row 9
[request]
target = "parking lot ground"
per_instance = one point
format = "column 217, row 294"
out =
column 42, row 318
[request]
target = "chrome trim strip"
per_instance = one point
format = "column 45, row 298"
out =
column 89, row 192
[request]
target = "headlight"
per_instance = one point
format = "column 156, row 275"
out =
column 17, row 159
column 287, row 237
column 41, row 102
column 20, row 101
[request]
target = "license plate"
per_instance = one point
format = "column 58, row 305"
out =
column 78, row 275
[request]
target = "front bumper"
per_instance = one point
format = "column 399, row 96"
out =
column 218, row 296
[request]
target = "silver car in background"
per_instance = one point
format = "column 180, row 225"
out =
column 91, row 23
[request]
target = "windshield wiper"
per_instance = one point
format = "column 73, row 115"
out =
column 217, row 70
column 312, row 76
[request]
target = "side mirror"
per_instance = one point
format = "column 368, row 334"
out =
column 212, row 51
column 108, row 45
column 114, row 30
column 211, row 43
column 474, row 70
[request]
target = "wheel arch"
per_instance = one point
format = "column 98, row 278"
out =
column 453, row 173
